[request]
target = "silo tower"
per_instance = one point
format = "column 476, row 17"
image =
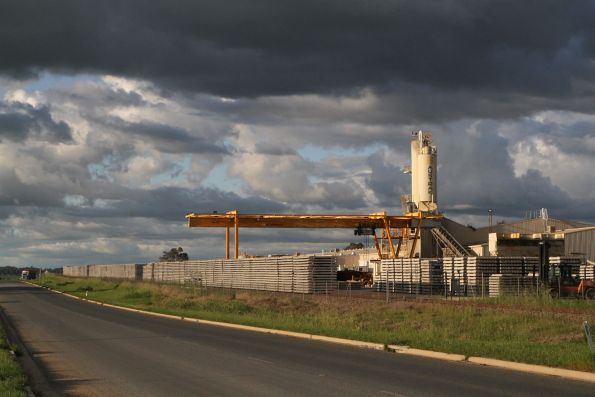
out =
column 424, row 172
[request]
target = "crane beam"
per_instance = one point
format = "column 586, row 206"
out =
column 376, row 220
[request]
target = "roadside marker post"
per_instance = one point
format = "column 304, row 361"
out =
column 589, row 336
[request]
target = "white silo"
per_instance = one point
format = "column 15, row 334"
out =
column 414, row 151
column 424, row 172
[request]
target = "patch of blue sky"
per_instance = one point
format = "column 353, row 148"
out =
column 48, row 80
column 317, row 153
column 98, row 171
column 219, row 178
column 74, row 200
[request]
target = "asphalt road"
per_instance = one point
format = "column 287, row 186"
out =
column 89, row 350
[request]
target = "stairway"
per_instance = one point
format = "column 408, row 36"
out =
column 448, row 243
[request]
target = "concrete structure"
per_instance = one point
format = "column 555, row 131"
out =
column 580, row 241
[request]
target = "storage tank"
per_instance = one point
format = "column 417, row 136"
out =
column 414, row 151
column 424, row 172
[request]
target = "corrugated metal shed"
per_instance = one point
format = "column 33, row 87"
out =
column 581, row 240
column 536, row 225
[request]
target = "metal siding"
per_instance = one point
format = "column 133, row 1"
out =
column 580, row 241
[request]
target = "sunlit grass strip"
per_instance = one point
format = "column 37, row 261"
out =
column 475, row 328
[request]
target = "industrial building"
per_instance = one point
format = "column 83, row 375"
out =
column 580, row 241
column 519, row 238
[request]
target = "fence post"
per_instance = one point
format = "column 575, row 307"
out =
column 386, row 284
column 445, row 286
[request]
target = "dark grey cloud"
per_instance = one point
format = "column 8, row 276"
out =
column 19, row 121
column 274, row 149
column 14, row 193
column 533, row 49
column 167, row 138
column 172, row 203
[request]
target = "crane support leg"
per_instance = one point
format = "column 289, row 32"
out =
column 236, row 241
column 376, row 244
column 390, row 239
column 227, row 242
column 415, row 237
column 399, row 244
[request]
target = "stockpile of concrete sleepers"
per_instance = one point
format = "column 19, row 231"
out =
column 300, row 274
column 455, row 269
column 519, row 275
column 510, row 284
column 117, row 271
column 129, row 271
column 587, row 271
column 518, row 265
column 479, row 268
column 76, row 271
column 470, row 275
column 573, row 261
column 410, row 276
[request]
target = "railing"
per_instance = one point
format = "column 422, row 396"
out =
column 446, row 240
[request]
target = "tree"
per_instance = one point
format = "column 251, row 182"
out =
column 174, row 255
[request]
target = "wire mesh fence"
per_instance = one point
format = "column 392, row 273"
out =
column 475, row 276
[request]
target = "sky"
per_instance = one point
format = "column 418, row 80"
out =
column 118, row 118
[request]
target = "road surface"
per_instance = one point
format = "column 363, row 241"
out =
column 89, row 350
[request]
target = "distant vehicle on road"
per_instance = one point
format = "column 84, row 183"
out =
column 28, row 274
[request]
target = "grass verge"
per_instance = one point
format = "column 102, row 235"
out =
column 12, row 377
column 531, row 332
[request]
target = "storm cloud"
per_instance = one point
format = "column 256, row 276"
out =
column 533, row 49
column 19, row 122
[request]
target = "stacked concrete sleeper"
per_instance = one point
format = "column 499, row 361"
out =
column 299, row 274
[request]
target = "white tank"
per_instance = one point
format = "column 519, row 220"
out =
column 424, row 172
column 414, row 151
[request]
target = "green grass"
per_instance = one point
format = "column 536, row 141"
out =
column 12, row 377
column 528, row 329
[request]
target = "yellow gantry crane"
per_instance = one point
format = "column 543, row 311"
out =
column 393, row 227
